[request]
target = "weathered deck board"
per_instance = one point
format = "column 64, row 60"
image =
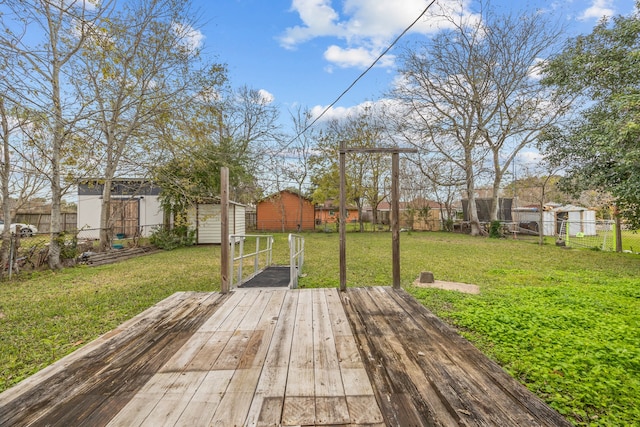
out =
column 425, row 374
column 93, row 384
column 268, row 357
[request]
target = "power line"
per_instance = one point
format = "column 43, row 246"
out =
column 384, row 52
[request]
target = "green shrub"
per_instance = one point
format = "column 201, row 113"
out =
column 68, row 247
column 176, row 237
column 448, row 225
column 494, row 230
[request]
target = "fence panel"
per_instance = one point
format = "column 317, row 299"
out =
column 42, row 221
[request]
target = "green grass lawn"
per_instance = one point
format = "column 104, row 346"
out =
column 565, row 322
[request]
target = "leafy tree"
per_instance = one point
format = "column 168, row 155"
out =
column 367, row 174
column 600, row 148
column 528, row 190
column 470, row 94
column 194, row 177
column 136, row 68
column 211, row 132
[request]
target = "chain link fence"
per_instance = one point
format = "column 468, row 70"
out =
column 598, row 235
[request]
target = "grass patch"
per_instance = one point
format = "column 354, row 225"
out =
column 566, row 323
column 51, row 314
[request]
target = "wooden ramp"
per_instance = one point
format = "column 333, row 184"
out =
column 270, row 357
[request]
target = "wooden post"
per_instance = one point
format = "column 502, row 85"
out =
column 342, row 219
column 224, row 230
column 395, row 208
column 395, row 218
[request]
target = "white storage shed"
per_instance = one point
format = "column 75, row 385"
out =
column 205, row 218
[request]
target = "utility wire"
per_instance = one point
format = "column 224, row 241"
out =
column 393, row 43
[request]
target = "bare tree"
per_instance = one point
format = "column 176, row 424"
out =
column 250, row 121
column 367, row 174
column 137, row 67
column 430, row 180
column 297, row 153
column 472, row 92
column 39, row 77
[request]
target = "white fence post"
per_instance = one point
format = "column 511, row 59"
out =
column 296, row 259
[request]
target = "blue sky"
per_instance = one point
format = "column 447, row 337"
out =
column 307, row 52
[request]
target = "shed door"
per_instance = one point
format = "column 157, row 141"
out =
column 125, row 216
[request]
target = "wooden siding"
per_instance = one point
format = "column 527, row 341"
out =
column 281, row 212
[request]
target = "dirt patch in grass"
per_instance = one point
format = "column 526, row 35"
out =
column 449, row 286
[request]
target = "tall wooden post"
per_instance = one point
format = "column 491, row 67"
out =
column 342, row 220
column 395, row 218
column 224, row 230
column 395, row 209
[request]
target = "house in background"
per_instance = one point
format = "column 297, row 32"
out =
column 580, row 220
column 419, row 214
column 135, row 207
column 285, row 211
column 206, row 219
column 329, row 213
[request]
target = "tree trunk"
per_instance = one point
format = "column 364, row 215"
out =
column 495, row 197
column 374, row 218
column 301, row 205
column 618, row 230
column 360, row 219
column 6, row 207
column 541, row 223
column 474, row 222
column 55, row 247
column 106, row 232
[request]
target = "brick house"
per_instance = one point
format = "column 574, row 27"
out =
column 285, row 211
column 329, row 213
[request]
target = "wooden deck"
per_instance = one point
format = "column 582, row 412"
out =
column 269, row 357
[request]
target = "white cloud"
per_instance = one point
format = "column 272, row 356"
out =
column 191, row 39
column 318, row 18
column 354, row 57
column 366, row 27
column 529, row 158
column 598, row 10
column 338, row 113
column 266, row 97
column 535, row 70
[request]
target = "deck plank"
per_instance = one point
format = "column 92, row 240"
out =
column 330, row 400
column 205, row 402
column 299, row 399
column 236, row 404
column 204, row 337
column 95, row 383
column 266, row 407
column 274, row 356
column 433, row 371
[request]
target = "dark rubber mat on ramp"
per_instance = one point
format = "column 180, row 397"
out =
column 271, row 277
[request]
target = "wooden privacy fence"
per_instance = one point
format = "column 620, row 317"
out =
column 43, row 221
